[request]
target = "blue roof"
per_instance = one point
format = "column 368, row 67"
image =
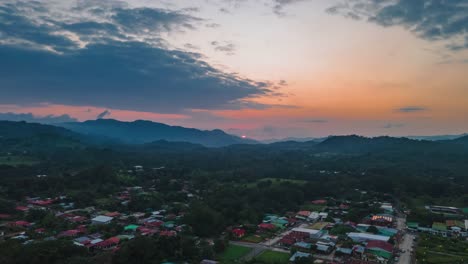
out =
column 303, row 245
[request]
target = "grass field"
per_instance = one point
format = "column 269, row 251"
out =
column 438, row 250
column 17, row 160
column 234, row 253
column 253, row 239
column 274, row 257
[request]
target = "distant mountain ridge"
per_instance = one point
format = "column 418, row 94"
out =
column 140, row 132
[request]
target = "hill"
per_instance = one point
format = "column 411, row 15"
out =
column 140, row 132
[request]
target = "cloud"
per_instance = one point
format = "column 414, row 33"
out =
column 106, row 54
column 315, row 121
column 411, row 109
column 212, row 25
column 227, row 47
column 279, row 5
column 393, row 125
column 428, row 19
column 29, row 117
column 104, row 114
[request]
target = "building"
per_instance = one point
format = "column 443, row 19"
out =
column 305, row 231
column 101, row 220
column 238, row 232
column 364, row 237
column 444, row 210
column 380, row 249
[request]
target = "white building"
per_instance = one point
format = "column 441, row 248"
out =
column 363, row 237
column 101, row 220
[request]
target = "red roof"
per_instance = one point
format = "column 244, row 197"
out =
column 5, row 216
column 154, row 223
column 167, row 233
column 146, row 231
column 22, row 208
column 267, row 226
column 44, row 202
column 112, row 214
column 40, row 230
column 77, row 219
column 380, row 244
column 287, row 241
column 69, row 233
column 238, row 232
column 113, row 241
column 21, row 223
column 304, row 213
column 319, row 202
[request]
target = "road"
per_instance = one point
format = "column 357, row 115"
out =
column 257, row 249
column 406, row 245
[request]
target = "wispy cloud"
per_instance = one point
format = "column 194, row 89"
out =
column 29, row 117
column 411, row 109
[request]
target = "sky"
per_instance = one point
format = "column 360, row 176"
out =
column 260, row 68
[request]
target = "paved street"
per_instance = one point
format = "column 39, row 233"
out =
column 406, row 246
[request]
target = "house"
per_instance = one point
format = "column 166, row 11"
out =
column 380, row 248
column 413, row 226
column 112, row 214
column 323, row 249
column 266, row 227
column 303, row 246
column 313, row 217
column 82, row 241
column 305, row 231
column 167, row 233
column 344, row 251
column 382, row 220
column 69, row 233
column 108, row 243
column 363, row 237
column 101, row 220
column 303, row 215
column 319, row 202
column 20, row 223
column 131, row 228
column 22, row 208
column 5, row 216
column 145, row 231
column 444, row 210
column 238, row 232
column 439, row 229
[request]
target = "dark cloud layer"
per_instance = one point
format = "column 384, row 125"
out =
column 111, row 57
column 428, row 19
column 29, row 117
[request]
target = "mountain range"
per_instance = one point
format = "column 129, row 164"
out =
column 140, row 132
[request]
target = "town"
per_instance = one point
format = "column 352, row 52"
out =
column 320, row 232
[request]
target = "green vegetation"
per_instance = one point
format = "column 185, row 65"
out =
column 18, row 160
column 233, row 253
column 439, row 250
column 273, row 257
